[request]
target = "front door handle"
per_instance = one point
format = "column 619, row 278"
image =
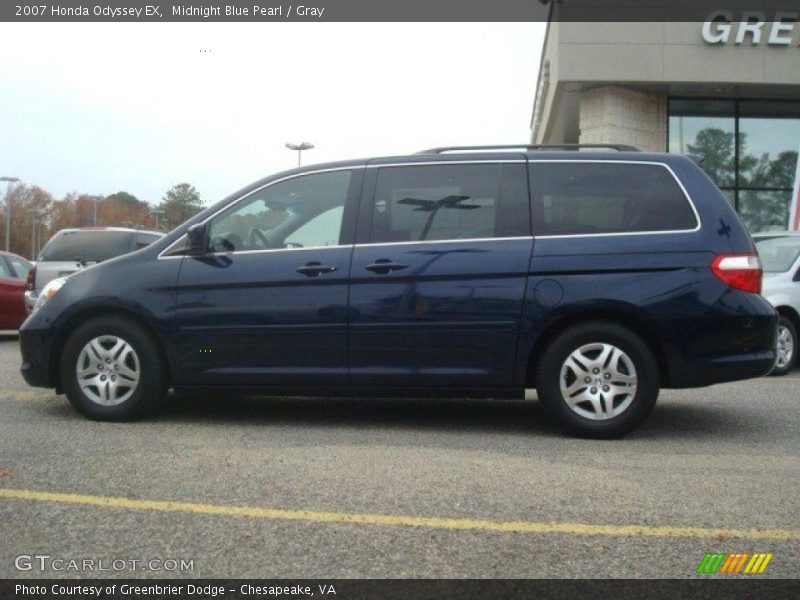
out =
column 314, row 269
column 382, row 266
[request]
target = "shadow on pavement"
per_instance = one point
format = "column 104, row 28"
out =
column 669, row 420
column 476, row 415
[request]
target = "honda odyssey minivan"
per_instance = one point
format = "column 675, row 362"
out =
column 595, row 277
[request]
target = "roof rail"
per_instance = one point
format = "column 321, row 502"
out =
column 618, row 147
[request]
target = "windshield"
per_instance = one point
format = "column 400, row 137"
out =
column 778, row 254
column 88, row 246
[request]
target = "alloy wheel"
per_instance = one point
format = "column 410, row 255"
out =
column 598, row 381
column 108, row 370
column 785, row 349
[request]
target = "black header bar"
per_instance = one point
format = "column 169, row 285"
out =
column 392, row 10
column 710, row 587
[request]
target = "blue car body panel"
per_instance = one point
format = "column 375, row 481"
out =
column 459, row 317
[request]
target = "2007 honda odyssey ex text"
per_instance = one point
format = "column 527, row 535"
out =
column 596, row 277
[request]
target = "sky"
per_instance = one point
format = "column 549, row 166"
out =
column 98, row 108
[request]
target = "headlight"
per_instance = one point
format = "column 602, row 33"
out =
column 49, row 292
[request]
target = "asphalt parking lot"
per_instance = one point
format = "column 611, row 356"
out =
column 310, row 488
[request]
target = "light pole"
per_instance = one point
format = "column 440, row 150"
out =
column 299, row 148
column 35, row 214
column 9, row 181
column 156, row 212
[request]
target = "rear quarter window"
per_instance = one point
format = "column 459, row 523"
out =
column 583, row 198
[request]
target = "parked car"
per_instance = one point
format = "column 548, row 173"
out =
column 780, row 257
column 13, row 276
column 596, row 277
column 71, row 250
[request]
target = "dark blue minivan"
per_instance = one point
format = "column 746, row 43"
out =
column 595, row 277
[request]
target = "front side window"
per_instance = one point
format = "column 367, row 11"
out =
column 450, row 202
column 601, row 198
column 301, row 212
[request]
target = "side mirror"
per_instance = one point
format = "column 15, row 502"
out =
column 196, row 238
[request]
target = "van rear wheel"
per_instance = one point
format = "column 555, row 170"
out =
column 598, row 379
column 112, row 370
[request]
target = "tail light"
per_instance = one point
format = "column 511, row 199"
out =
column 31, row 285
column 740, row 271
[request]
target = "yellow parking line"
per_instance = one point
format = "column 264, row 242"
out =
column 397, row 520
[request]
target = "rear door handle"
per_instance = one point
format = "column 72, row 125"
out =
column 314, row 269
column 382, row 266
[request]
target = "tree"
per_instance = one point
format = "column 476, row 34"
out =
column 716, row 148
column 125, row 198
column 760, row 209
column 767, row 210
column 123, row 209
column 181, row 202
column 28, row 204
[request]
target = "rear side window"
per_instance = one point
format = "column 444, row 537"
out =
column 92, row 246
column 21, row 267
column 599, row 198
column 145, row 239
column 450, row 202
column 5, row 270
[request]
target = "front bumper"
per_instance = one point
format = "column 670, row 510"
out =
column 35, row 346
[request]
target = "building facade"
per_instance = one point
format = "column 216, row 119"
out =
column 727, row 88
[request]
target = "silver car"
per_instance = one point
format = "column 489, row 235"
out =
column 780, row 258
column 71, row 250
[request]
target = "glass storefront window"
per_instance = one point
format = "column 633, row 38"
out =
column 730, row 195
column 707, row 128
column 764, row 211
column 768, row 152
column 750, row 149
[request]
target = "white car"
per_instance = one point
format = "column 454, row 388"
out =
column 780, row 259
column 71, row 250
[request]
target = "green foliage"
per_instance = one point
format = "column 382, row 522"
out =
column 760, row 210
column 180, row 203
column 716, row 148
column 125, row 198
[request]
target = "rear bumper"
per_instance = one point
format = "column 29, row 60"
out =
column 35, row 348
column 735, row 340
column 723, row 369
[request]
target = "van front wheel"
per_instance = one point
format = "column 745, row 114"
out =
column 112, row 370
column 598, row 379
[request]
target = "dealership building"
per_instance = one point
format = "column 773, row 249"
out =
column 727, row 88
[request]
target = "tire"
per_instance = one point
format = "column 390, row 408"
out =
column 787, row 347
column 624, row 363
column 137, row 369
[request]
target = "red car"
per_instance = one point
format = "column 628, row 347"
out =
column 13, row 277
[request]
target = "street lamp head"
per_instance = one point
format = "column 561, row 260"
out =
column 9, row 179
column 300, row 146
